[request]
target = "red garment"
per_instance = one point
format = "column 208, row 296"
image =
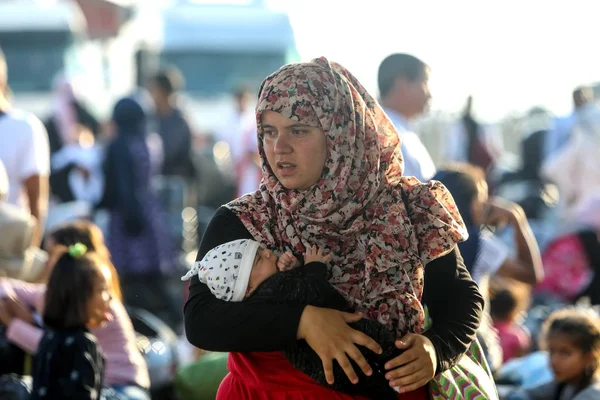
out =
column 515, row 341
column 269, row 376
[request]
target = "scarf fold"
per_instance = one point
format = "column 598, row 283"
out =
column 356, row 209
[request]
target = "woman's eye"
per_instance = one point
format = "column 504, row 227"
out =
column 268, row 133
column 299, row 132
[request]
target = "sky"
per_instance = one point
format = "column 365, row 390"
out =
column 510, row 54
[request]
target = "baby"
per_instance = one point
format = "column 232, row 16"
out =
column 240, row 269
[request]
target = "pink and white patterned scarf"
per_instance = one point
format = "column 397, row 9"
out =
column 356, row 209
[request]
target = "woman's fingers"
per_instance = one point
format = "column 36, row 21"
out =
column 367, row 341
column 418, row 383
column 351, row 317
column 404, row 358
column 328, row 369
column 359, row 359
column 344, row 362
column 407, row 381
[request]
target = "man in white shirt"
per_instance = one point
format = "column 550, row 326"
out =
column 404, row 89
column 25, row 153
column 560, row 135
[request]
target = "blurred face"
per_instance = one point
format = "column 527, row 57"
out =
column 479, row 205
column 295, row 152
column 157, row 94
column 265, row 266
column 99, row 304
column 567, row 361
column 415, row 95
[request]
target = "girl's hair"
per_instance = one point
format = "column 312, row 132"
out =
column 70, row 286
column 463, row 181
column 582, row 328
column 88, row 234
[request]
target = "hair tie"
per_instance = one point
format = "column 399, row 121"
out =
column 77, row 250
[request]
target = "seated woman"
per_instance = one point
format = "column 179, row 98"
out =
column 126, row 370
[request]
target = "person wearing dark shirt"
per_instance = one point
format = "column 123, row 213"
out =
column 172, row 125
column 332, row 177
column 69, row 363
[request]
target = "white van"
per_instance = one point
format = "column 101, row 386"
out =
column 220, row 46
column 43, row 40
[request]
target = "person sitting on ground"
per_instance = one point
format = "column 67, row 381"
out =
column 69, row 363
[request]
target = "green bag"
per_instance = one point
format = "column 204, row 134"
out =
column 469, row 379
column 201, row 380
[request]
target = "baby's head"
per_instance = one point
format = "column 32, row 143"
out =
column 234, row 270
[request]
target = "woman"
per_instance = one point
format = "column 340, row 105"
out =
column 138, row 238
column 332, row 177
column 126, row 371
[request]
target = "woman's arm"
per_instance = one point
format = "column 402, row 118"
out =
column 215, row 325
column 527, row 266
column 455, row 306
column 28, row 293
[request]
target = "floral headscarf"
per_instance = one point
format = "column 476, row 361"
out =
column 356, row 209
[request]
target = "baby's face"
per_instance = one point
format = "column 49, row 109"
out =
column 265, row 266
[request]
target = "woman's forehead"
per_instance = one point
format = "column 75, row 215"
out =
column 280, row 120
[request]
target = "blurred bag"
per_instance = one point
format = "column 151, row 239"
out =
column 469, row 379
column 201, row 380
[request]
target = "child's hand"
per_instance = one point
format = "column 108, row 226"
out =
column 316, row 254
column 287, row 261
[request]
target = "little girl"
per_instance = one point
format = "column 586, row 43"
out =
column 69, row 363
column 572, row 338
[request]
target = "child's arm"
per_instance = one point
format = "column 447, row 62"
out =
column 24, row 335
column 29, row 293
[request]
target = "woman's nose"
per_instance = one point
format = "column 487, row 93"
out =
column 282, row 144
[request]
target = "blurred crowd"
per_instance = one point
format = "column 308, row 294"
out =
column 136, row 192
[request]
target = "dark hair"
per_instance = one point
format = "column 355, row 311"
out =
column 503, row 305
column 399, row 65
column 462, row 180
column 169, row 80
column 582, row 327
column 88, row 234
column 68, row 291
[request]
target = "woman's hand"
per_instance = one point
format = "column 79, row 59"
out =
column 502, row 212
column 417, row 363
column 327, row 332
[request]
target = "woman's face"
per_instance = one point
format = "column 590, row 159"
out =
column 295, row 152
column 568, row 362
column 99, row 304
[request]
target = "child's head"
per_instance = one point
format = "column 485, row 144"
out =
column 469, row 189
column 88, row 234
column 77, row 292
column 572, row 338
column 504, row 305
column 233, row 270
